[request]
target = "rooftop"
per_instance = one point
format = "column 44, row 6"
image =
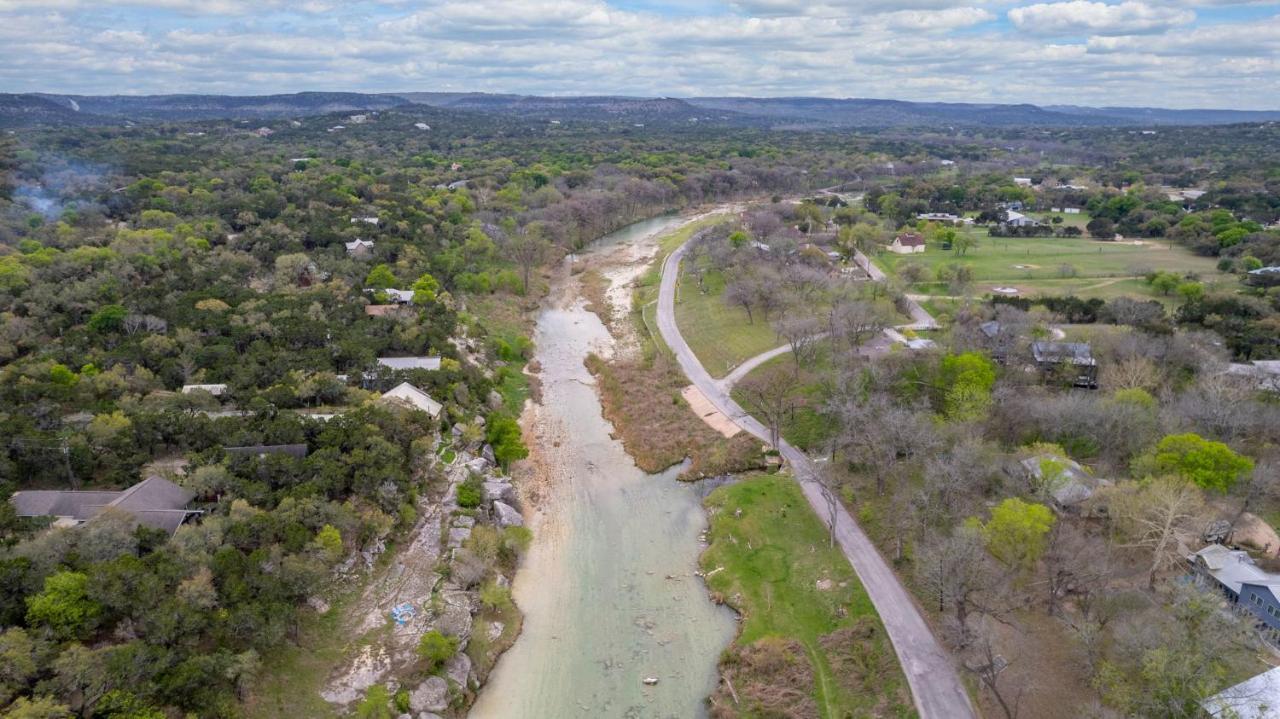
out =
column 155, row 502
column 1078, row 353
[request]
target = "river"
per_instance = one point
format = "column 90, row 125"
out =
column 608, row 587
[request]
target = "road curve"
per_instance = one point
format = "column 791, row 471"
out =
column 931, row 674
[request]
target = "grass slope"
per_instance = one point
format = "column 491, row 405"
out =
column 720, row 335
column 769, row 558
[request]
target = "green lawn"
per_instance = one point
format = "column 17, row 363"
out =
column 1035, row 265
column 774, row 552
column 721, row 336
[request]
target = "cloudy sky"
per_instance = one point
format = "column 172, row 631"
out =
column 1168, row 53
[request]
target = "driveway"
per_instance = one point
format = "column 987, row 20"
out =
column 931, row 674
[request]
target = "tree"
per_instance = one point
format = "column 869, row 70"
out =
column 1017, row 531
column 1165, row 282
column 952, row 571
column 767, row 395
column 425, row 290
column 803, row 334
column 529, row 248
column 743, row 291
column 380, row 277
column 109, row 318
column 376, row 703
column 962, row 242
column 64, row 606
column 18, row 662
column 437, row 648
column 1210, row 465
column 1101, row 228
column 966, row 380
column 503, row 433
column 38, row 708
column 1156, row 515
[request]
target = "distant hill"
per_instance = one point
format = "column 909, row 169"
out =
column 17, row 110
column 1160, row 116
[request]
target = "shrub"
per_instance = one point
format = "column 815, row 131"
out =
column 471, row 493
column 436, row 649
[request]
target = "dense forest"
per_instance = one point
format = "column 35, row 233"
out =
column 136, row 261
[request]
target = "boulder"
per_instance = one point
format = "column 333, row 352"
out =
column 479, row 465
column 431, row 696
column 494, row 399
column 487, row 453
column 463, row 520
column 458, row 669
column 506, row 515
column 455, row 621
column 495, row 630
column 496, row 490
column 458, row 535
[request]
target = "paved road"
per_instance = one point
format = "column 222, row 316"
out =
column 931, row 674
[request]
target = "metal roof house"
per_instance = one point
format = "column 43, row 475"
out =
column 1244, row 583
column 1255, row 698
column 404, row 363
column 1067, row 484
column 155, row 502
column 1050, row 356
column 408, row 395
column 217, row 390
column 261, row 450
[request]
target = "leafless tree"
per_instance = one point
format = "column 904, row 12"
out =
column 768, row 396
column 829, row 483
column 987, row 665
column 953, row 570
column 1156, row 516
column 1074, row 564
column 877, row 434
column 803, row 334
column 851, row 322
column 953, row 478
column 529, row 247
column 804, row 282
column 743, row 292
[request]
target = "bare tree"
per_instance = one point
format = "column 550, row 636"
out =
column 1156, row 516
column 803, row 333
column 988, row 666
column 877, row 434
column 829, row 483
column 743, row 292
column 768, row 397
column 1074, row 564
column 952, row 571
column 851, row 322
column 529, row 247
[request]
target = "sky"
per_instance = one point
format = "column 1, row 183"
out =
column 1169, row 53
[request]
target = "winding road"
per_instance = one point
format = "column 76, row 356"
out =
column 931, row 674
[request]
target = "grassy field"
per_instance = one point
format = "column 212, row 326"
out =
column 721, row 336
column 769, row 558
column 1035, row 265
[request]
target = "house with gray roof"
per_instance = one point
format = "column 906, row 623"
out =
column 406, row 363
column 406, row 394
column 155, row 502
column 1246, row 585
column 1255, row 698
column 262, row 450
column 1074, row 358
column 1067, row 484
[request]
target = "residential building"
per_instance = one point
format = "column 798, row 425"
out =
column 1246, row 585
column 407, row 363
column 1022, row 181
column 1065, row 482
column 155, row 502
column 1263, row 374
column 907, row 243
column 298, row 451
column 1013, row 218
column 1073, row 358
column 359, row 247
column 408, row 395
column 217, row 390
column 1255, row 698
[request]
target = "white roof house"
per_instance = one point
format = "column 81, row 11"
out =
column 1254, row 698
column 406, row 394
column 403, row 297
column 1232, row 568
column 1264, row 373
column 1017, row 219
column 358, row 246
column 217, row 390
column 404, row 363
column 370, row 219
column 1022, row 181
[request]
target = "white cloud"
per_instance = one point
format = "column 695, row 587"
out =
column 1077, row 17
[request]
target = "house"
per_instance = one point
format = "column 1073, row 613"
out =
column 1071, row 210
column 945, row 217
column 1013, row 218
column 406, row 394
column 357, row 119
column 455, row 166
column 264, row 132
column 1245, row 584
column 407, row 363
column 298, row 451
column 1066, row 483
column 1022, row 181
column 368, row 219
column 1264, row 276
column 946, row 163
column 422, row 126
column 359, row 247
column 217, row 390
column 1255, row 698
column 907, row 243
column 457, row 185
column 1076, row 356
column 1264, row 374
column 401, row 297
column 155, row 502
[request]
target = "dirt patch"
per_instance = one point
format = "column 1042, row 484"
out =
column 771, row 677
column 702, row 407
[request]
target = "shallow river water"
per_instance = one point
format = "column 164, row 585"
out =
column 607, row 588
